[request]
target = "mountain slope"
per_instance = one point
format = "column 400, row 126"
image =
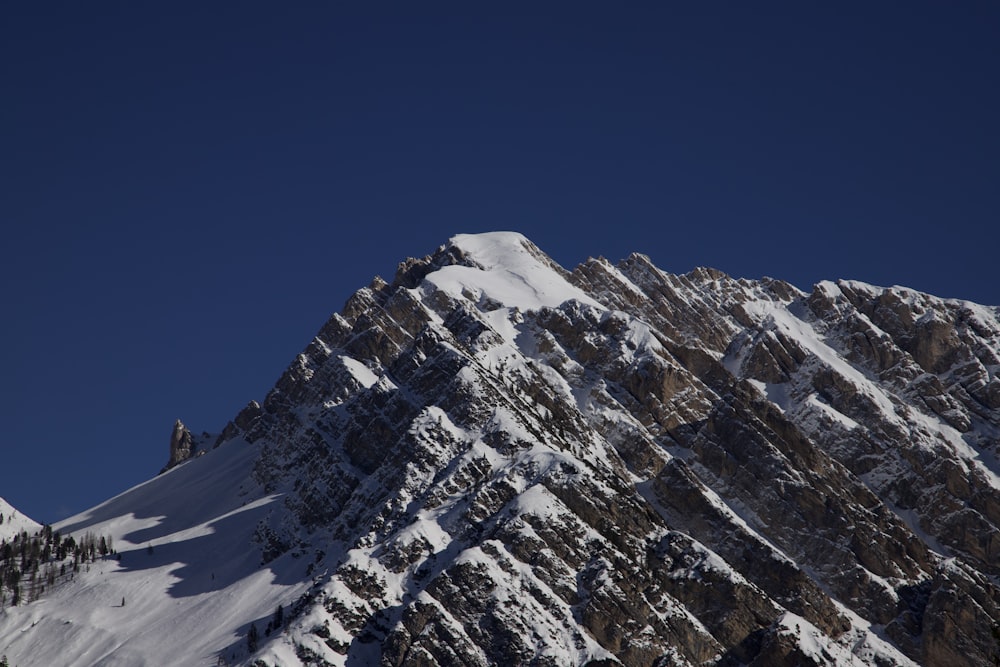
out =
column 13, row 522
column 495, row 461
column 187, row 584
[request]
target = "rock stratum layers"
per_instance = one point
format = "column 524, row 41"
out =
column 495, row 461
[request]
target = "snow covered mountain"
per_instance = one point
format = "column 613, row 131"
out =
column 493, row 460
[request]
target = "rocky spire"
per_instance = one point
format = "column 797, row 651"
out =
column 181, row 445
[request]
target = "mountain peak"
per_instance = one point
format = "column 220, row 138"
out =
column 493, row 248
column 506, row 269
column 492, row 460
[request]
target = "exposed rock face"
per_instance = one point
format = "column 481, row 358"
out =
column 184, row 444
column 492, row 460
column 181, row 444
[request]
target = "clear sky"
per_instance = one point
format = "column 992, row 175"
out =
column 188, row 190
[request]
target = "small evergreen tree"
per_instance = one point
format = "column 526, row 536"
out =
column 279, row 617
column 252, row 638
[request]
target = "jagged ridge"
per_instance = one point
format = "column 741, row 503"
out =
column 521, row 464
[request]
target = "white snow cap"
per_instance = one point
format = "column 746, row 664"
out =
column 514, row 273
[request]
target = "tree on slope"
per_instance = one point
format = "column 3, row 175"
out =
column 253, row 637
column 279, row 617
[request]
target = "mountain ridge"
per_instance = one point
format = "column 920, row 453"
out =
column 493, row 460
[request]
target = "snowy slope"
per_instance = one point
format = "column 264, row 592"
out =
column 13, row 522
column 493, row 460
column 186, row 602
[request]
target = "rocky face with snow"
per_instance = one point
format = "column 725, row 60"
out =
column 492, row 460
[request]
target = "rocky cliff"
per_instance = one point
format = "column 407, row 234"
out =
column 492, row 460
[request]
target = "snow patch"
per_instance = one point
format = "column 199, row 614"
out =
column 359, row 371
column 510, row 274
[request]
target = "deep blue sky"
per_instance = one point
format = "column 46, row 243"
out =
column 188, row 190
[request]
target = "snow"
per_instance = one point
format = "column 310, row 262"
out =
column 510, row 274
column 504, row 421
column 858, row 647
column 947, row 434
column 813, row 643
column 359, row 371
column 777, row 393
column 501, row 320
column 621, row 277
column 554, row 621
column 13, row 522
column 986, row 317
column 538, row 501
column 733, row 360
column 814, row 401
column 743, row 519
column 197, row 591
column 928, row 431
column 862, row 287
column 830, row 289
column 803, row 333
column 781, row 395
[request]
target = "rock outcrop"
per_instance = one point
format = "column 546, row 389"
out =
column 181, row 445
column 185, row 445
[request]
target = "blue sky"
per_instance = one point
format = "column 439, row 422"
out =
column 190, row 189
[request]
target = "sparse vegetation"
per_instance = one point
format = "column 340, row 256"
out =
column 32, row 564
column 253, row 637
